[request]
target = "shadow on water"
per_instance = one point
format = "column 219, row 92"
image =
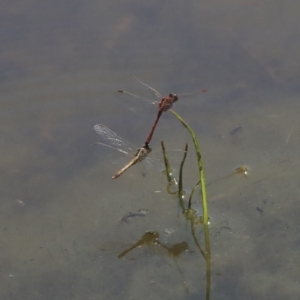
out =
column 152, row 238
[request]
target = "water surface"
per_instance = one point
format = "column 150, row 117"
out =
column 61, row 66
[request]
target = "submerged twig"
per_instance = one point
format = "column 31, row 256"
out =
column 171, row 179
column 180, row 184
column 167, row 164
column 191, row 195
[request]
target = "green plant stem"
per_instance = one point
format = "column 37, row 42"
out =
column 200, row 167
column 204, row 203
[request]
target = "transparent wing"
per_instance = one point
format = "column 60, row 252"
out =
column 113, row 148
column 156, row 93
column 187, row 95
column 111, row 154
column 113, row 140
column 151, row 102
column 154, row 164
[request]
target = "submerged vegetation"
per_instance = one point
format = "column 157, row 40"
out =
column 174, row 186
column 188, row 212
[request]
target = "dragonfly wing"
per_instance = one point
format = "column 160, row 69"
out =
column 114, row 148
column 189, row 95
column 113, row 140
column 147, row 101
column 154, row 164
column 112, row 155
column 156, row 93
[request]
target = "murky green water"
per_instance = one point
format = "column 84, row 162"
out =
column 61, row 66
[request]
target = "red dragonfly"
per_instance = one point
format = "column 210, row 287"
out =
column 164, row 104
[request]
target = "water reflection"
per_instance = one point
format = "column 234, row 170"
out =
column 152, row 237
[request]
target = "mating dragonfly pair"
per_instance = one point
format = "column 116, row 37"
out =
column 117, row 143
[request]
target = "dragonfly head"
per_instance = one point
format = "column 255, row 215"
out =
column 147, row 148
column 173, row 97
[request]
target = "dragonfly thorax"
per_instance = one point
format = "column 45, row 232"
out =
column 142, row 152
column 166, row 103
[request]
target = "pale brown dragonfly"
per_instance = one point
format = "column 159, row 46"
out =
column 117, row 143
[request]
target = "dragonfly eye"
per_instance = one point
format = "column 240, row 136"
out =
column 174, row 97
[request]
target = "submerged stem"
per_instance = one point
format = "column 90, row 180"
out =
column 204, row 203
column 180, row 184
